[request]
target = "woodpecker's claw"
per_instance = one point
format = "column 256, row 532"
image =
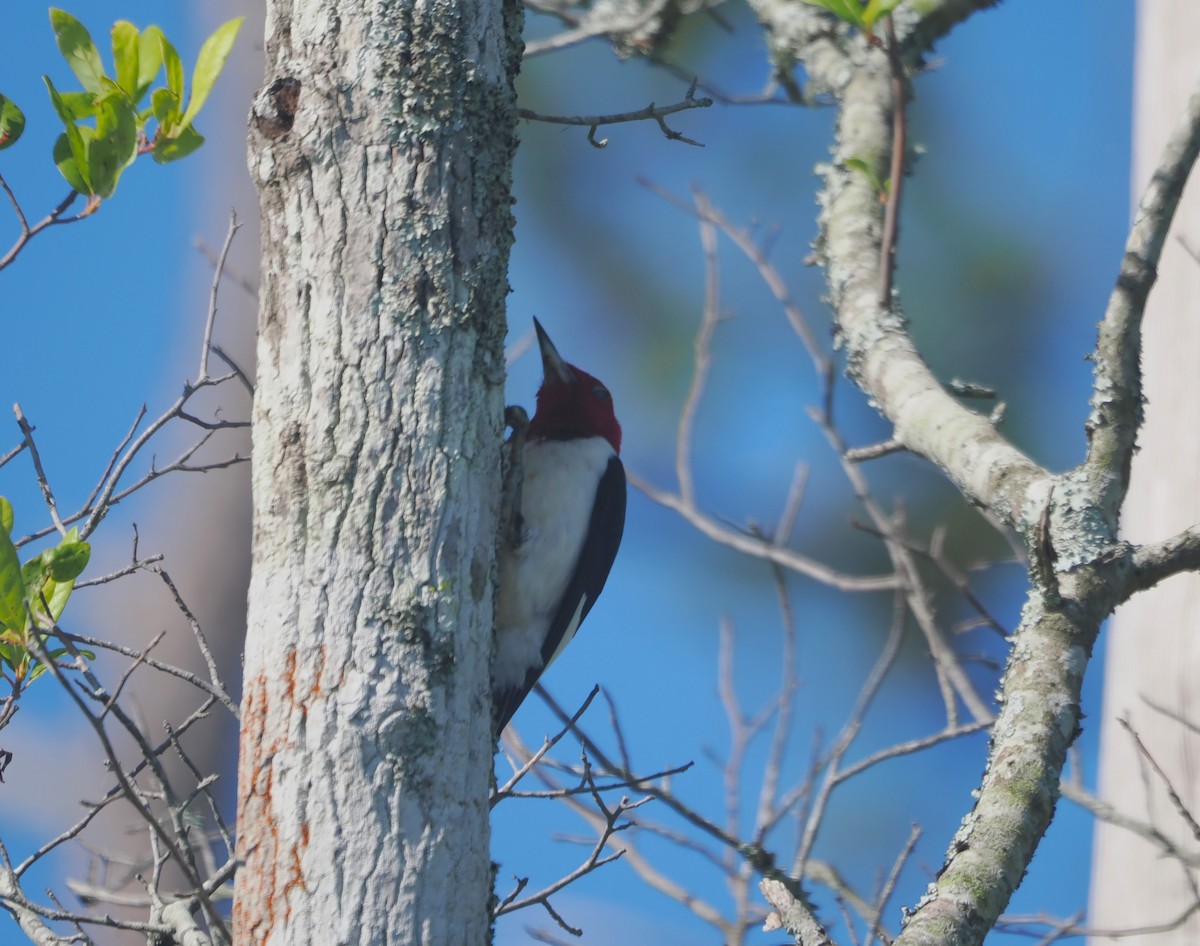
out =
column 516, row 417
column 511, row 523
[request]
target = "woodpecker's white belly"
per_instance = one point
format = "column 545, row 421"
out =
column 559, row 491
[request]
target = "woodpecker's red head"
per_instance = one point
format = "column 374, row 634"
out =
column 571, row 404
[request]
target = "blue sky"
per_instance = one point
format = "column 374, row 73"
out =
column 1013, row 230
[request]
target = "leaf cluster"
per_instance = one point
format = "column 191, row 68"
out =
column 114, row 118
column 33, row 597
column 854, row 13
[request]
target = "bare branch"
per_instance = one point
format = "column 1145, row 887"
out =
column 702, row 357
column 759, row 548
column 40, row 472
column 505, row 790
column 218, row 271
column 235, row 368
column 51, row 219
column 652, row 112
column 756, row 253
column 1159, row 561
column 1116, row 403
column 875, row 451
column 1180, row 808
column 612, row 824
column 793, row 915
column 889, row 886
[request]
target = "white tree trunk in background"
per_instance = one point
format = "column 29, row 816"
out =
column 381, row 145
column 1154, row 642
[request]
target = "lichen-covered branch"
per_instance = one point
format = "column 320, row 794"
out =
column 1154, row 563
column 1116, row 408
column 881, row 355
column 1069, row 522
column 792, row 915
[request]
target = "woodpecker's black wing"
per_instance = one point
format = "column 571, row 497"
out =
column 591, row 572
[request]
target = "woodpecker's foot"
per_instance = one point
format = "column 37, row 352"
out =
column 511, row 523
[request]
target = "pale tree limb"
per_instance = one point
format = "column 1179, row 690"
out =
column 1054, row 640
column 792, row 915
column 1158, row 561
column 1116, row 405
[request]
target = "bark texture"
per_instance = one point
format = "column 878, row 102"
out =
column 1153, row 649
column 381, row 144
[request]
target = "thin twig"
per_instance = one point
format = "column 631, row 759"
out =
column 218, row 271
column 652, row 112
column 756, row 253
column 234, row 367
column 875, row 451
column 702, row 357
column 1180, row 808
column 758, row 548
column 850, row 731
column 51, row 219
column 874, row 930
column 505, row 790
column 12, row 454
column 42, row 480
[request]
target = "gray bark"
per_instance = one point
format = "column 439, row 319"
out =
column 381, row 145
column 1153, row 648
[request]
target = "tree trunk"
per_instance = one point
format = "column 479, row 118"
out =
column 1153, row 647
column 381, row 145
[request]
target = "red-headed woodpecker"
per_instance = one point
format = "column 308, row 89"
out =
column 556, row 558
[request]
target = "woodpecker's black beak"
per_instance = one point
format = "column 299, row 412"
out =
column 552, row 364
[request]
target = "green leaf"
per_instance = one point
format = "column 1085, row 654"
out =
column 77, row 49
column 70, row 558
column 13, row 655
column 12, row 586
column 877, row 9
column 6, row 516
column 37, row 584
column 33, row 577
column 166, row 111
column 56, row 594
column 209, row 64
column 79, row 105
column 60, row 106
column 150, row 59
column 51, row 576
column 174, row 67
column 68, row 167
column 179, row 146
column 75, row 147
column 848, row 10
column 12, row 122
column 115, row 144
column 861, row 166
column 125, row 47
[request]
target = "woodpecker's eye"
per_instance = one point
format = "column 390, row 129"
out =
column 600, row 393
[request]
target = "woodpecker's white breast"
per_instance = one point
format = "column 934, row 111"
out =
column 561, row 477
